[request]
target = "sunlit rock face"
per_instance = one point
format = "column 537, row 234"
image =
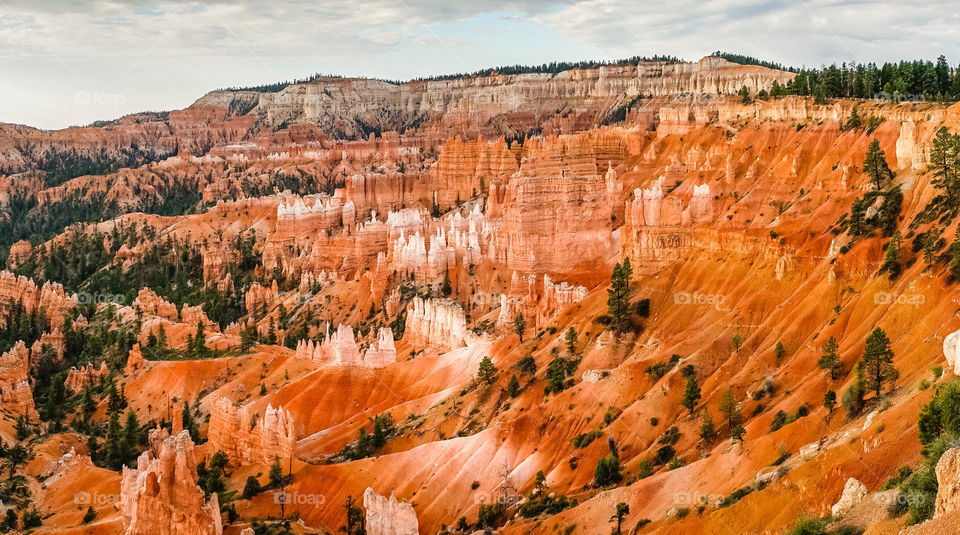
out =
column 435, row 322
column 388, row 516
column 15, row 393
column 161, row 495
column 249, row 438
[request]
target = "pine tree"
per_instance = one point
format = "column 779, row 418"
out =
column 891, row 259
column 744, row 94
column 929, row 250
column 618, row 296
column 519, row 325
column 707, row 431
column 737, row 342
column 571, row 340
column 692, row 394
column 857, row 224
column 113, row 445
column 877, row 361
column 830, row 360
column 853, row 122
column 779, row 351
column 875, row 165
column 830, row 400
column 513, row 387
column 622, row 510
column 955, row 256
column 945, row 163
column 730, row 410
column 131, row 435
column 486, row 371
column 447, row 287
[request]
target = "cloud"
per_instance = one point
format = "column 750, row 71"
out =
column 795, row 32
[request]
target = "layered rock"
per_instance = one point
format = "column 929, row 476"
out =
column 261, row 298
column 50, row 297
column 558, row 211
column 948, row 479
column 538, row 297
column 338, row 348
column 165, row 313
column 383, row 352
column 52, row 339
column 389, row 516
column 245, row 438
column 135, row 360
column 437, row 323
column 161, row 496
column 79, row 379
column 15, row 393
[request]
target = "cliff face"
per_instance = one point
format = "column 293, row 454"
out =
column 388, row 516
column 15, row 392
column 471, row 104
column 161, row 495
column 246, row 439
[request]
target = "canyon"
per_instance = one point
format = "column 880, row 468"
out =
column 409, row 319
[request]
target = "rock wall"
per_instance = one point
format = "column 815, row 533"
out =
column 559, row 210
column 161, row 495
column 245, row 438
column 51, row 297
column 338, row 348
column 437, row 323
column 388, row 516
column 15, row 393
column 79, row 379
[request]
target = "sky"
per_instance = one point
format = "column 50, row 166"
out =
column 71, row 62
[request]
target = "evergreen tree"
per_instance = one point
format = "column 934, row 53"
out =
column 730, row 410
column 877, row 361
column 247, row 339
column 486, row 371
column 929, row 249
column 607, row 471
column 131, row 434
column 853, row 122
column 447, row 287
column 875, row 165
column 830, row 400
column 276, row 474
column 737, row 342
column 945, row 163
column 857, row 224
column 618, row 296
column 519, row 325
column 513, row 387
column 891, row 259
column 622, row 510
column 955, row 256
column 707, row 431
column 571, row 339
column 251, row 488
column 779, row 351
column 744, row 94
column 113, row 443
column 355, row 517
column 830, row 360
column 692, row 393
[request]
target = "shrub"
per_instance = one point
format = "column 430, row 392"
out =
column 607, row 471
